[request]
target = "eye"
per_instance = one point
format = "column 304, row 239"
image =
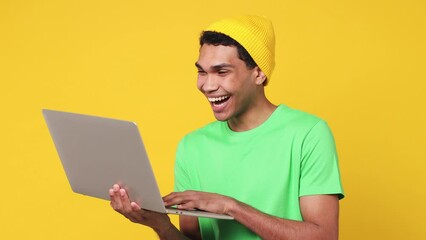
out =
column 222, row 72
column 201, row 72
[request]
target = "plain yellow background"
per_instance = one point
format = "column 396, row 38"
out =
column 360, row 65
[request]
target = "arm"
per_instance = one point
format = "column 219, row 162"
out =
column 159, row 222
column 189, row 227
column 320, row 215
column 320, row 220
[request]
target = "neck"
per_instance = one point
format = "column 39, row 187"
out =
column 253, row 117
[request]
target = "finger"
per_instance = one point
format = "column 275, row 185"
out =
column 125, row 201
column 169, row 196
column 129, row 209
column 191, row 205
column 135, row 206
column 115, row 199
column 177, row 198
column 135, row 213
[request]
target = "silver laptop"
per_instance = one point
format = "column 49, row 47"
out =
column 98, row 152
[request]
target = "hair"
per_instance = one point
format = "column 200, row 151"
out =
column 217, row 38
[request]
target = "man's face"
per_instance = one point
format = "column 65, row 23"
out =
column 225, row 80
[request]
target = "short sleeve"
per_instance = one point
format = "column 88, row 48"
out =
column 319, row 173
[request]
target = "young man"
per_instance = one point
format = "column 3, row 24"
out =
column 272, row 168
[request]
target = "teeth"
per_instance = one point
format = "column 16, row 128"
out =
column 217, row 99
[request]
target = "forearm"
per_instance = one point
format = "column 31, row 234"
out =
column 270, row 227
column 170, row 233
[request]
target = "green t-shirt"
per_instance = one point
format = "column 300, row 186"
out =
column 290, row 155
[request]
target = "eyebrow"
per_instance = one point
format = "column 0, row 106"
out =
column 215, row 67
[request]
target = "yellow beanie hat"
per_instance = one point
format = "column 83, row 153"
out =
column 255, row 34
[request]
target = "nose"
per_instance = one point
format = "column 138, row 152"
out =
column 208, row 83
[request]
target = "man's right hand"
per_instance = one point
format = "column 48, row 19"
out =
column 121, row 203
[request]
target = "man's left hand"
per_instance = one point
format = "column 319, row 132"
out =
column 209, row 202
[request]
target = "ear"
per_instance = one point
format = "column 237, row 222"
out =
column 260, row 76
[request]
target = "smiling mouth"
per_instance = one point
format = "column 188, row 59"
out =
column 218, row 100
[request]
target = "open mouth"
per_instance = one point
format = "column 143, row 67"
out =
column 218, row 100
